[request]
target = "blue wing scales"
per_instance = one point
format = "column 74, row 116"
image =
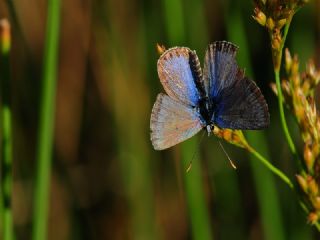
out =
column 176, row 75
column 239, row 103
column 220, row 67
column 242, row 106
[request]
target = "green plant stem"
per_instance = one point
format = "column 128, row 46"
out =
column 6, row 128
column 264, row 181
column 7, row 174
column 45, row 134
column 272, row 168
column 277, row 64
column 282, row 115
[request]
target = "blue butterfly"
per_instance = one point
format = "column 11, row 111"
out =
column 220, row 96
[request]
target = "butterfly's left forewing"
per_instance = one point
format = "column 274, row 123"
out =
column 179, row 70
column 172, row 122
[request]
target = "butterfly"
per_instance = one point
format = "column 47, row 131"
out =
column 221, row 95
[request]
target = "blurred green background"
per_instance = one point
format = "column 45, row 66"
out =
column 107, row 182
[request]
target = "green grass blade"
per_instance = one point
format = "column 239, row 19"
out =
column 228, row 200
column 174, row 21
column 6, row 127
column 267, row 194
column 45, row 134
column 193, row 180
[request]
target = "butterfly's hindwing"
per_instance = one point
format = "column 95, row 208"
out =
column 172, row 122
column 242, row 106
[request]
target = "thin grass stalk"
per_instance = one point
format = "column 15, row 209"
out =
column 196, row 202
column 45, row 134
column 264, row 181
column 225, row 183
column 268, row 165
column 195, row 197
column 281, row 111
column 277, row 66
column 6, row 127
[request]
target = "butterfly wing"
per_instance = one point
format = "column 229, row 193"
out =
column 242, row 106
column 220, row 67
column 239, row 102
column 177, row 74
column 172, row 122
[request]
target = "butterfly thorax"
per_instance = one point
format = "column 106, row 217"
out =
column 206, row 109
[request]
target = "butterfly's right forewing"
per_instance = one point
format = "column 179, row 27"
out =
column 220, row 67
column 238, row 102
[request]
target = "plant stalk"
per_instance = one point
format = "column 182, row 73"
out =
column 45, row 135
column 6, row 128
column 272, row 168
column 277, row 58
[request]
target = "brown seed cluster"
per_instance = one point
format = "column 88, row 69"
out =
column 160, row 48
column 274, row 15
column 298, row 90
column 235, row 137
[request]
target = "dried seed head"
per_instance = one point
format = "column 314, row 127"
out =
column 270, row 24
column 286, row 88
column 160, row 48
column 302, row 183
column 295, row 65
column 312, row 186
column 278, row 14
column 280, row 23
column 306, row 87
column 235, row 137
column 312, row 75
column 308, row 158
column 288, row 60
column 313, row 217
column 259, row 16
column 276, row 39
column 316, row 203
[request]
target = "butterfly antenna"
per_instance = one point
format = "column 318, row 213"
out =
column 231, row 162
column 195, row 153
